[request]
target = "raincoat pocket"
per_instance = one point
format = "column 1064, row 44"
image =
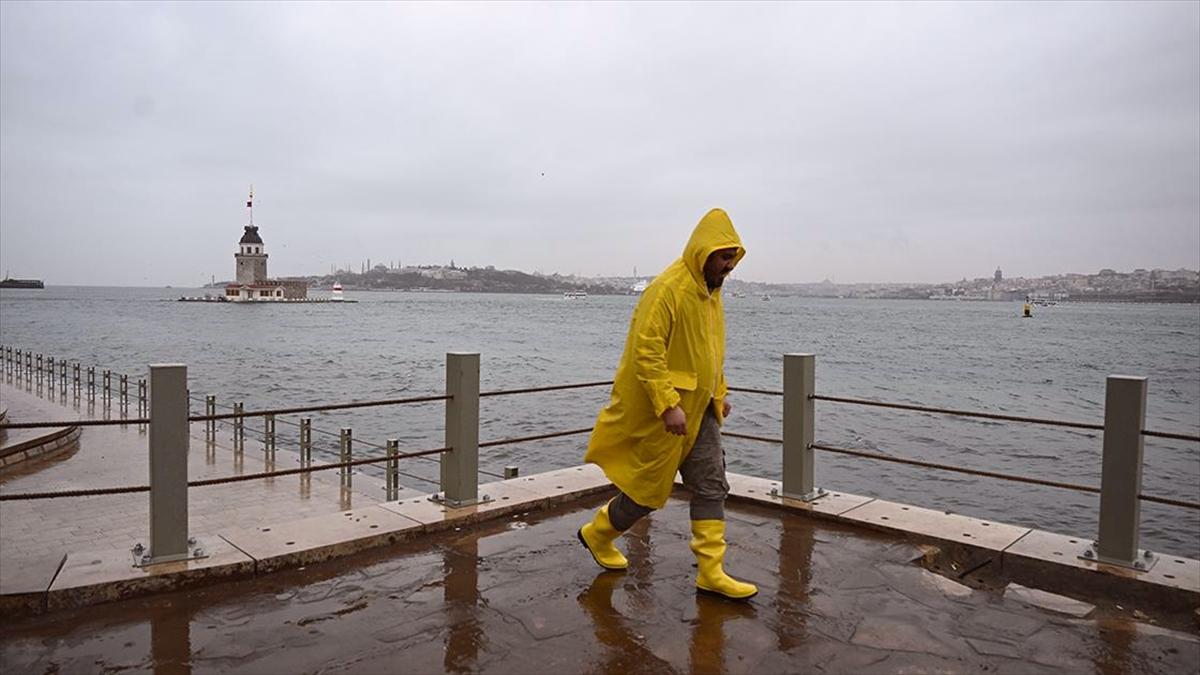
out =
column 682, row 380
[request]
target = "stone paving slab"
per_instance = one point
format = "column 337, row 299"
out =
column 938, row 525
column 519, row 595
column 104, row 576
column 302, row 542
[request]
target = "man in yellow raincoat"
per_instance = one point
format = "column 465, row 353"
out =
column 667, row 405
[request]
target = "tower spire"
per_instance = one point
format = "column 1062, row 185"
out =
column 250, row 204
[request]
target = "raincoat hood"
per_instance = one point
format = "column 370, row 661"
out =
column 713, row 233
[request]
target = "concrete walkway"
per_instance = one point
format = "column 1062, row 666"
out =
column 458, row 592
column 35, row 535
column 519, row 595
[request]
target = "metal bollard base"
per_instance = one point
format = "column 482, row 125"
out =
column 142, row 558
column 440, row 498
column 816, row 494
column 1145, row 561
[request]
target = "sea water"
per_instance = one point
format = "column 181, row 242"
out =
column 978, row 356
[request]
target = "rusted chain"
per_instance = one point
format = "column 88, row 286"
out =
column 960, row 413
column 506, row 441
column 532, row 390
column 1164, row 434
column 746, row 390
column 956, row 469
column 219, row 481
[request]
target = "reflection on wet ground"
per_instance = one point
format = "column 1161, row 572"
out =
column 520, row 596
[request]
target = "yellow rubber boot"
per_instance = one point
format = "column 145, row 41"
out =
column 598, row 536
column 708, row 543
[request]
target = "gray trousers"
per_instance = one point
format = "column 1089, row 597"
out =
column 703, row 472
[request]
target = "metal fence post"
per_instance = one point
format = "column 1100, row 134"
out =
column 460, row 466
column 107, row 386
column 168, row 467
column 91, row 383
column 393, row 469
column 210, row 426
column 306, row 441
column 347, row 441
column 799, row 374
column 124, row 393
column 239, row 428
column 269, row 436
column 62, row 374
column 50, row 372
column 141, row 398
column 39, row 368
column 75, row 377
column 1121, row 475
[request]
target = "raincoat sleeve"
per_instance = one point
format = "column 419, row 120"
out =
column 719, row 397
column 651, row 330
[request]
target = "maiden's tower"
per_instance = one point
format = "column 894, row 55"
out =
column 252, row 283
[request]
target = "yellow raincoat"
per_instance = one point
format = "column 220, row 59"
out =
column 674, row 355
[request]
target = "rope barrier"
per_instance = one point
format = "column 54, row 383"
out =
column 960, row 413
column 1170, row 502
column 1178, row 437
column 523, row 439
column 746, row 390
column 763, row 439
column 531, row 390
column 218, row 481
column 956, row 469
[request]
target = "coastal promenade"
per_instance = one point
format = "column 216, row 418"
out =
column 318, row 578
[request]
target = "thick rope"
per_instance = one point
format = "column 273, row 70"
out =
column 218, row 481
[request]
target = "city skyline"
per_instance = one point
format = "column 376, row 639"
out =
column 861, row 143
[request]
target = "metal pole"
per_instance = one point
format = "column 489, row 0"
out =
column 1121, row 474
column 460, row 466
column 50, row 372
column 799, row 374
column 393, row 469
column 107, row 386
column 91, row 389
column 141, row 398
column 39, row 368
column 347, row 440
column 75, row 375
column 62, row 374
column 306, row 441
column 239, row 428
column 210, row 426
column 124, row 393
column 168, row 463
column 269, row 436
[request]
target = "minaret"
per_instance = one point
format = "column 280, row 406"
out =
column 251, row 260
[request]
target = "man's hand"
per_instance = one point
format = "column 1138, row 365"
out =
column 675, row 421
column 725, row 408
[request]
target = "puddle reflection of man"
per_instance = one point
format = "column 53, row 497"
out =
column 667, row 405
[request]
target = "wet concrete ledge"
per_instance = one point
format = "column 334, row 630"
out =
column 1030, row 557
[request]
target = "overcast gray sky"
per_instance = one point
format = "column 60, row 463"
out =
column 856, row 142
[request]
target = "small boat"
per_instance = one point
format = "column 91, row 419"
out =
column 337, row 293
column 572, row 295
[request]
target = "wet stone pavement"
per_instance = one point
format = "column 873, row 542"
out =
column 520, row 595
